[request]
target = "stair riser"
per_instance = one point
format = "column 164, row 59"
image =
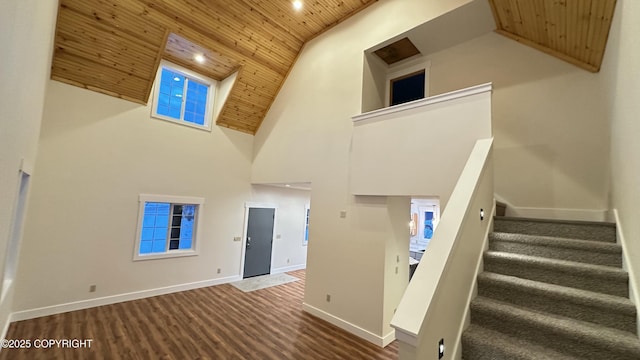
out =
column 542, row 301
column 474, row 351
column 570, row 231
column 617, row 286
column 567, row 343
column 579, row 255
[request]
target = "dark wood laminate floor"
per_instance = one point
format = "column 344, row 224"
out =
column 218, row 322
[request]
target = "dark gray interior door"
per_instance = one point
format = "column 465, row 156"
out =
column 257, row 258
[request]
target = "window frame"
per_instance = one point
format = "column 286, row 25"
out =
column 410, row 66
column 188, row 74
column 173, row 200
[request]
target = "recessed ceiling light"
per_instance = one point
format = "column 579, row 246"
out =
column 199, row 58
column 297, row 4
column 287, row 185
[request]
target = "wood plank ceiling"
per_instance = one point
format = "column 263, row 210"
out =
column 115, row 46
column 575, row 31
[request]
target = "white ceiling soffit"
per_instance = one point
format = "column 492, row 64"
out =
column 298, row 186
column 455, row 27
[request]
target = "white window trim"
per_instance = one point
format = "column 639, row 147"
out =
column 410, row 66
column 211, row 96
column 195, row 241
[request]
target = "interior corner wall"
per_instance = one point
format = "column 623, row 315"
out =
column 373, row 83
column 26, row 40
column 289, row 249
column 622, row 88
column 96, row 155
column 396, row 258
column 549, row 121
column 306, row 135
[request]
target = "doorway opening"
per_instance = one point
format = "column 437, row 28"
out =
column 15, row 234
column 425, row 216
column 258, row 240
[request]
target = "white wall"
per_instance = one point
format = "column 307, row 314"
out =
column 621, row 67
column 306, row 137
column 96, row 155
column 26, row 37
column 550, row 128
column 289, row 251
column 549, row 122
column 435, row 307
column 399, row 150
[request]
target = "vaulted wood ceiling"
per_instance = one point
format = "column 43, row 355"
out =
column 115, row 46
column 572, row 30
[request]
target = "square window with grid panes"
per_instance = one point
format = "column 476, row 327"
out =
column 182, row 96
column 167, row 228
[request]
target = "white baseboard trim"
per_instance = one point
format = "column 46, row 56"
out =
column 634, row 292
column 558, row 214
column 347, row 326
column 107, row 300
column 389, row 338
column 288, row 268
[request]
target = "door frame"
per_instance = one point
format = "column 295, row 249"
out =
column 243, row 250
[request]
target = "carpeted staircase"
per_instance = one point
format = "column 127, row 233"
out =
column 552, row 290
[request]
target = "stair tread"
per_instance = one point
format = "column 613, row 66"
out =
column 591, row 245
column 585, row 331
column 563, row 264
column 585, row 230
column 514, row 347
column 556, row 221
column 584, row 297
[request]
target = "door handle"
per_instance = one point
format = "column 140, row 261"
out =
column 248, row 241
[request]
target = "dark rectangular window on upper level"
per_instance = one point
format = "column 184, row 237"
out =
column 407, row 88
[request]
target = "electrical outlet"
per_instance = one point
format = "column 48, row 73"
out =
column 288, row 261
column 328, row 298
column 397, row 258
column 343, row 214
column 237, row 238
column 219, row 270
column 92, row 288
column 278, row 236
column 396, row 269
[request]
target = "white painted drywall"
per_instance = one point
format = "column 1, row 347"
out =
column 549, row 121
column 306, row 136
column 396, row 260
column 222, row 93
column 26, row 39
column 290, row 224
column 97, row 154
column 433, row 307
column 621, row 67
column 399, row 153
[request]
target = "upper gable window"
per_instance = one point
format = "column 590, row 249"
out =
column 183, row 96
